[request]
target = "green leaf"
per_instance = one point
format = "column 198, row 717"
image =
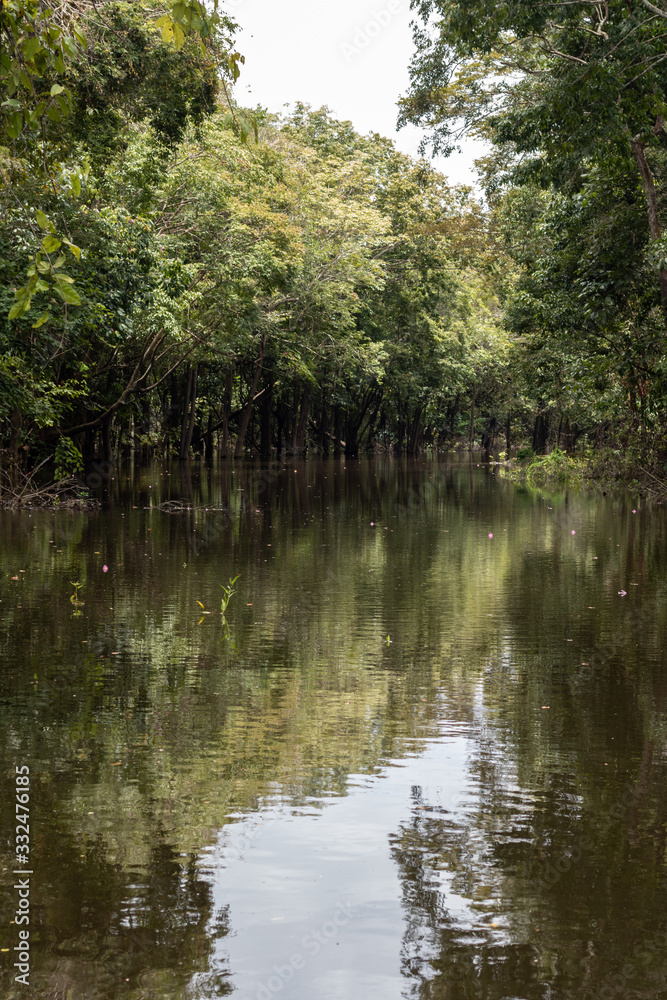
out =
column 69, row 295
column 51, row 244
column 56, row 89
column 42, row 220
column 14, row 125
column 179, row 36
column 20, row 307
column 76, row 185
column 59, row 261
column 44, row 318
column 64, row 277
column 37, row 112
column 75, row 249
column 31, row 47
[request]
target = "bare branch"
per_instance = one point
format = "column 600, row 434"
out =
column 656, row 10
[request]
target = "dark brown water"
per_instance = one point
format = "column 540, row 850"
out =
column 417, row 761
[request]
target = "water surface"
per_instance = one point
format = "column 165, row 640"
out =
column 425, row 756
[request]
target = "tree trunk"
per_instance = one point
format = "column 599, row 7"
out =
column 351, row 444
column 541, row 433
column 265, row 423
column 413, row 437
column 107, row 449
column 338, row 432
column 489, row 435
column 508, row 433
column 208, row 441
column 247, row 409
column 299, row 447
column 193, row 401
column 226, row 409
column 639, row 153
column 471, row 441
column 400, row 434
column 182, row 450
column 188, row 424
column 15, row 434
column 324, row 431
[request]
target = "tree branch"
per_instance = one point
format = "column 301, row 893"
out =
column 656, row 10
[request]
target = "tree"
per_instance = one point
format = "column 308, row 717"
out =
column 566, row 87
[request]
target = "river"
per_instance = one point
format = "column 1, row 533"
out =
column 422, row 756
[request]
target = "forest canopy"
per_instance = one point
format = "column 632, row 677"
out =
column 571, row 97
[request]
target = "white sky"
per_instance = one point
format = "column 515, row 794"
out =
column 351, row 55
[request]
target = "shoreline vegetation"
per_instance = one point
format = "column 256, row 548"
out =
column 182, row 277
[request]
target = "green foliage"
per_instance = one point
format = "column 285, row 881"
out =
column 228, row 592
column 153, row 260
column 69, row 460
column 556, row 466
column 574, row 106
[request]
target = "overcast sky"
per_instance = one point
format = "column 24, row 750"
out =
column 351, row 55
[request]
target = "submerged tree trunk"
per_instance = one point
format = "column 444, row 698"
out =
column 246, row 413
column 299, row 446
column 226, row 409
column 265, row 423
column 413, row 437
column 107, row 448
column 188, row 423
column 186, row 411
column 324, row 430
column 351, row 443
column 208, row 441
column 338, row 432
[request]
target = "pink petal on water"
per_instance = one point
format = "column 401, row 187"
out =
column 573, row 532
column 634, row 512
column 490, row 534
column 105, row 568
column 372, row 524
column 622, row 593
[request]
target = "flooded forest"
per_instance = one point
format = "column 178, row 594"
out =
column 311, row 462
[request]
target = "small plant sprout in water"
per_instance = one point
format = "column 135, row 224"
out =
column 74, row 599
column 227, row 594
